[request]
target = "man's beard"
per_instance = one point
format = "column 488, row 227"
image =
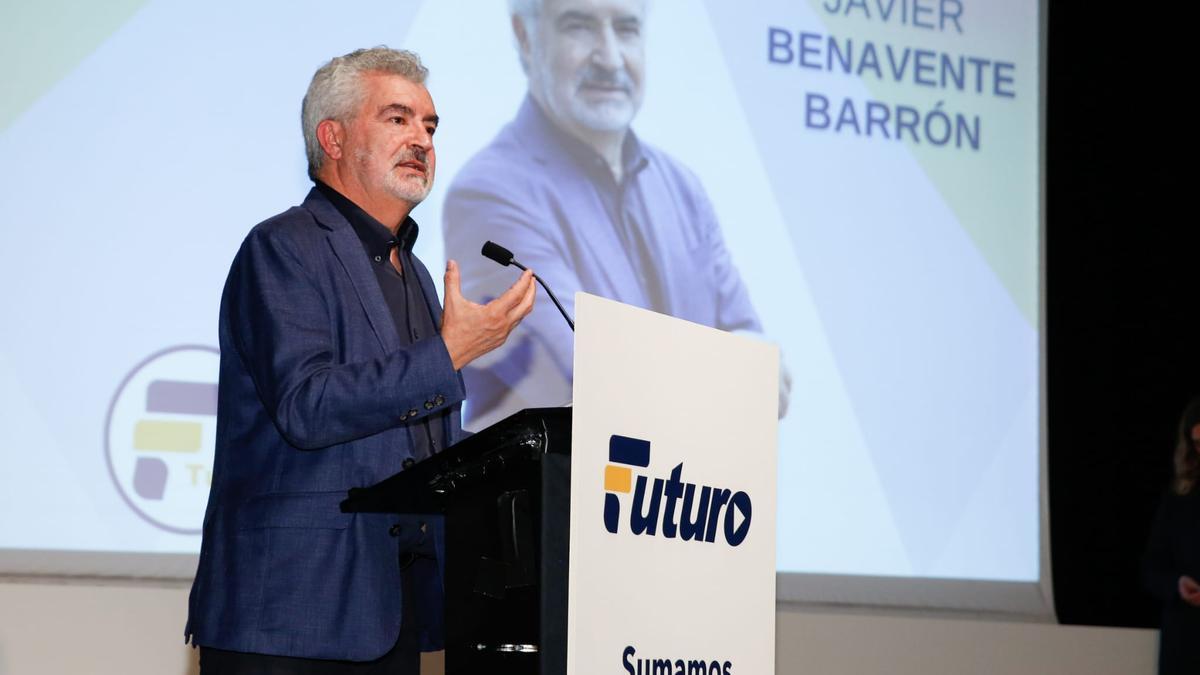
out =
column 605, row 115
column 407, row 187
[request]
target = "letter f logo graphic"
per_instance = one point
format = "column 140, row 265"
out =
column 619, row 479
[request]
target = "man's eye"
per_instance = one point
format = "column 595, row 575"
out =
column 397, row 120
column 431, row 130
column 576, row 27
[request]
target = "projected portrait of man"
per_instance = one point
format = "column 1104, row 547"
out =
column 578, row 196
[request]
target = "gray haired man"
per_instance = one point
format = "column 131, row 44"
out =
column 339, row 368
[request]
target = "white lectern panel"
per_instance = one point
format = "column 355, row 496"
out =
column 672, row 497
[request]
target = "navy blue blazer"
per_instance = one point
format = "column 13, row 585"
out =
column 316, row 396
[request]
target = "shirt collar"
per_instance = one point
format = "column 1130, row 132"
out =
column 531, row 116
column 376, row 237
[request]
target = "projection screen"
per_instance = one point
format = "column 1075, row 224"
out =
column 868, row 171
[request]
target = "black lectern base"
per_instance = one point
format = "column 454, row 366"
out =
column 505, row 495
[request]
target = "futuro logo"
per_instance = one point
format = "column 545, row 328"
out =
column 703, row 511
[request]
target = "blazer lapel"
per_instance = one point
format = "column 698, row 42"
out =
column 452, row 423
column 348, row 249
column 428, row 291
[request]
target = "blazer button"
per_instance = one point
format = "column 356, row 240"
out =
column 408, row 462
column 429, row 405
column 439, row 400
column 412, row 413
column 403, row 417
column 394, row 530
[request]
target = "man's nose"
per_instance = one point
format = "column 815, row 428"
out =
column 422, row 141
column 607, row 52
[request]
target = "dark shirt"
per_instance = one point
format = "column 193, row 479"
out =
column 411, row 314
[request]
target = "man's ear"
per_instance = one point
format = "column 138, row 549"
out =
column 521, row 33
column 330, row 134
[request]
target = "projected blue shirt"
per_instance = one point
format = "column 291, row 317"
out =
column 650, row 240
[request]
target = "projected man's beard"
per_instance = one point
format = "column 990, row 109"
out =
column 596, row 98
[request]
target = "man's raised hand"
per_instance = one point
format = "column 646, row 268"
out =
column 471, row 330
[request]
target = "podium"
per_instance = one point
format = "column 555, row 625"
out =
column 634, row 532
column 504, row 494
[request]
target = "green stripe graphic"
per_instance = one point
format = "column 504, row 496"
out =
column 42, row 42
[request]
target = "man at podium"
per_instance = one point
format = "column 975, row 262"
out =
column 338, row 368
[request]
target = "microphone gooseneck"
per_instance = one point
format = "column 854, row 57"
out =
column 503, row 256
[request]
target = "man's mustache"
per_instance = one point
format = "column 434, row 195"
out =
column 610, row 78
column 413, row 155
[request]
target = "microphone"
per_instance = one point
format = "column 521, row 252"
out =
column 504, row 257
column 498, row 253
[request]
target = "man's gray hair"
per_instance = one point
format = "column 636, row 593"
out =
column 336, row 91
column 528, row 8
column 530, row 12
